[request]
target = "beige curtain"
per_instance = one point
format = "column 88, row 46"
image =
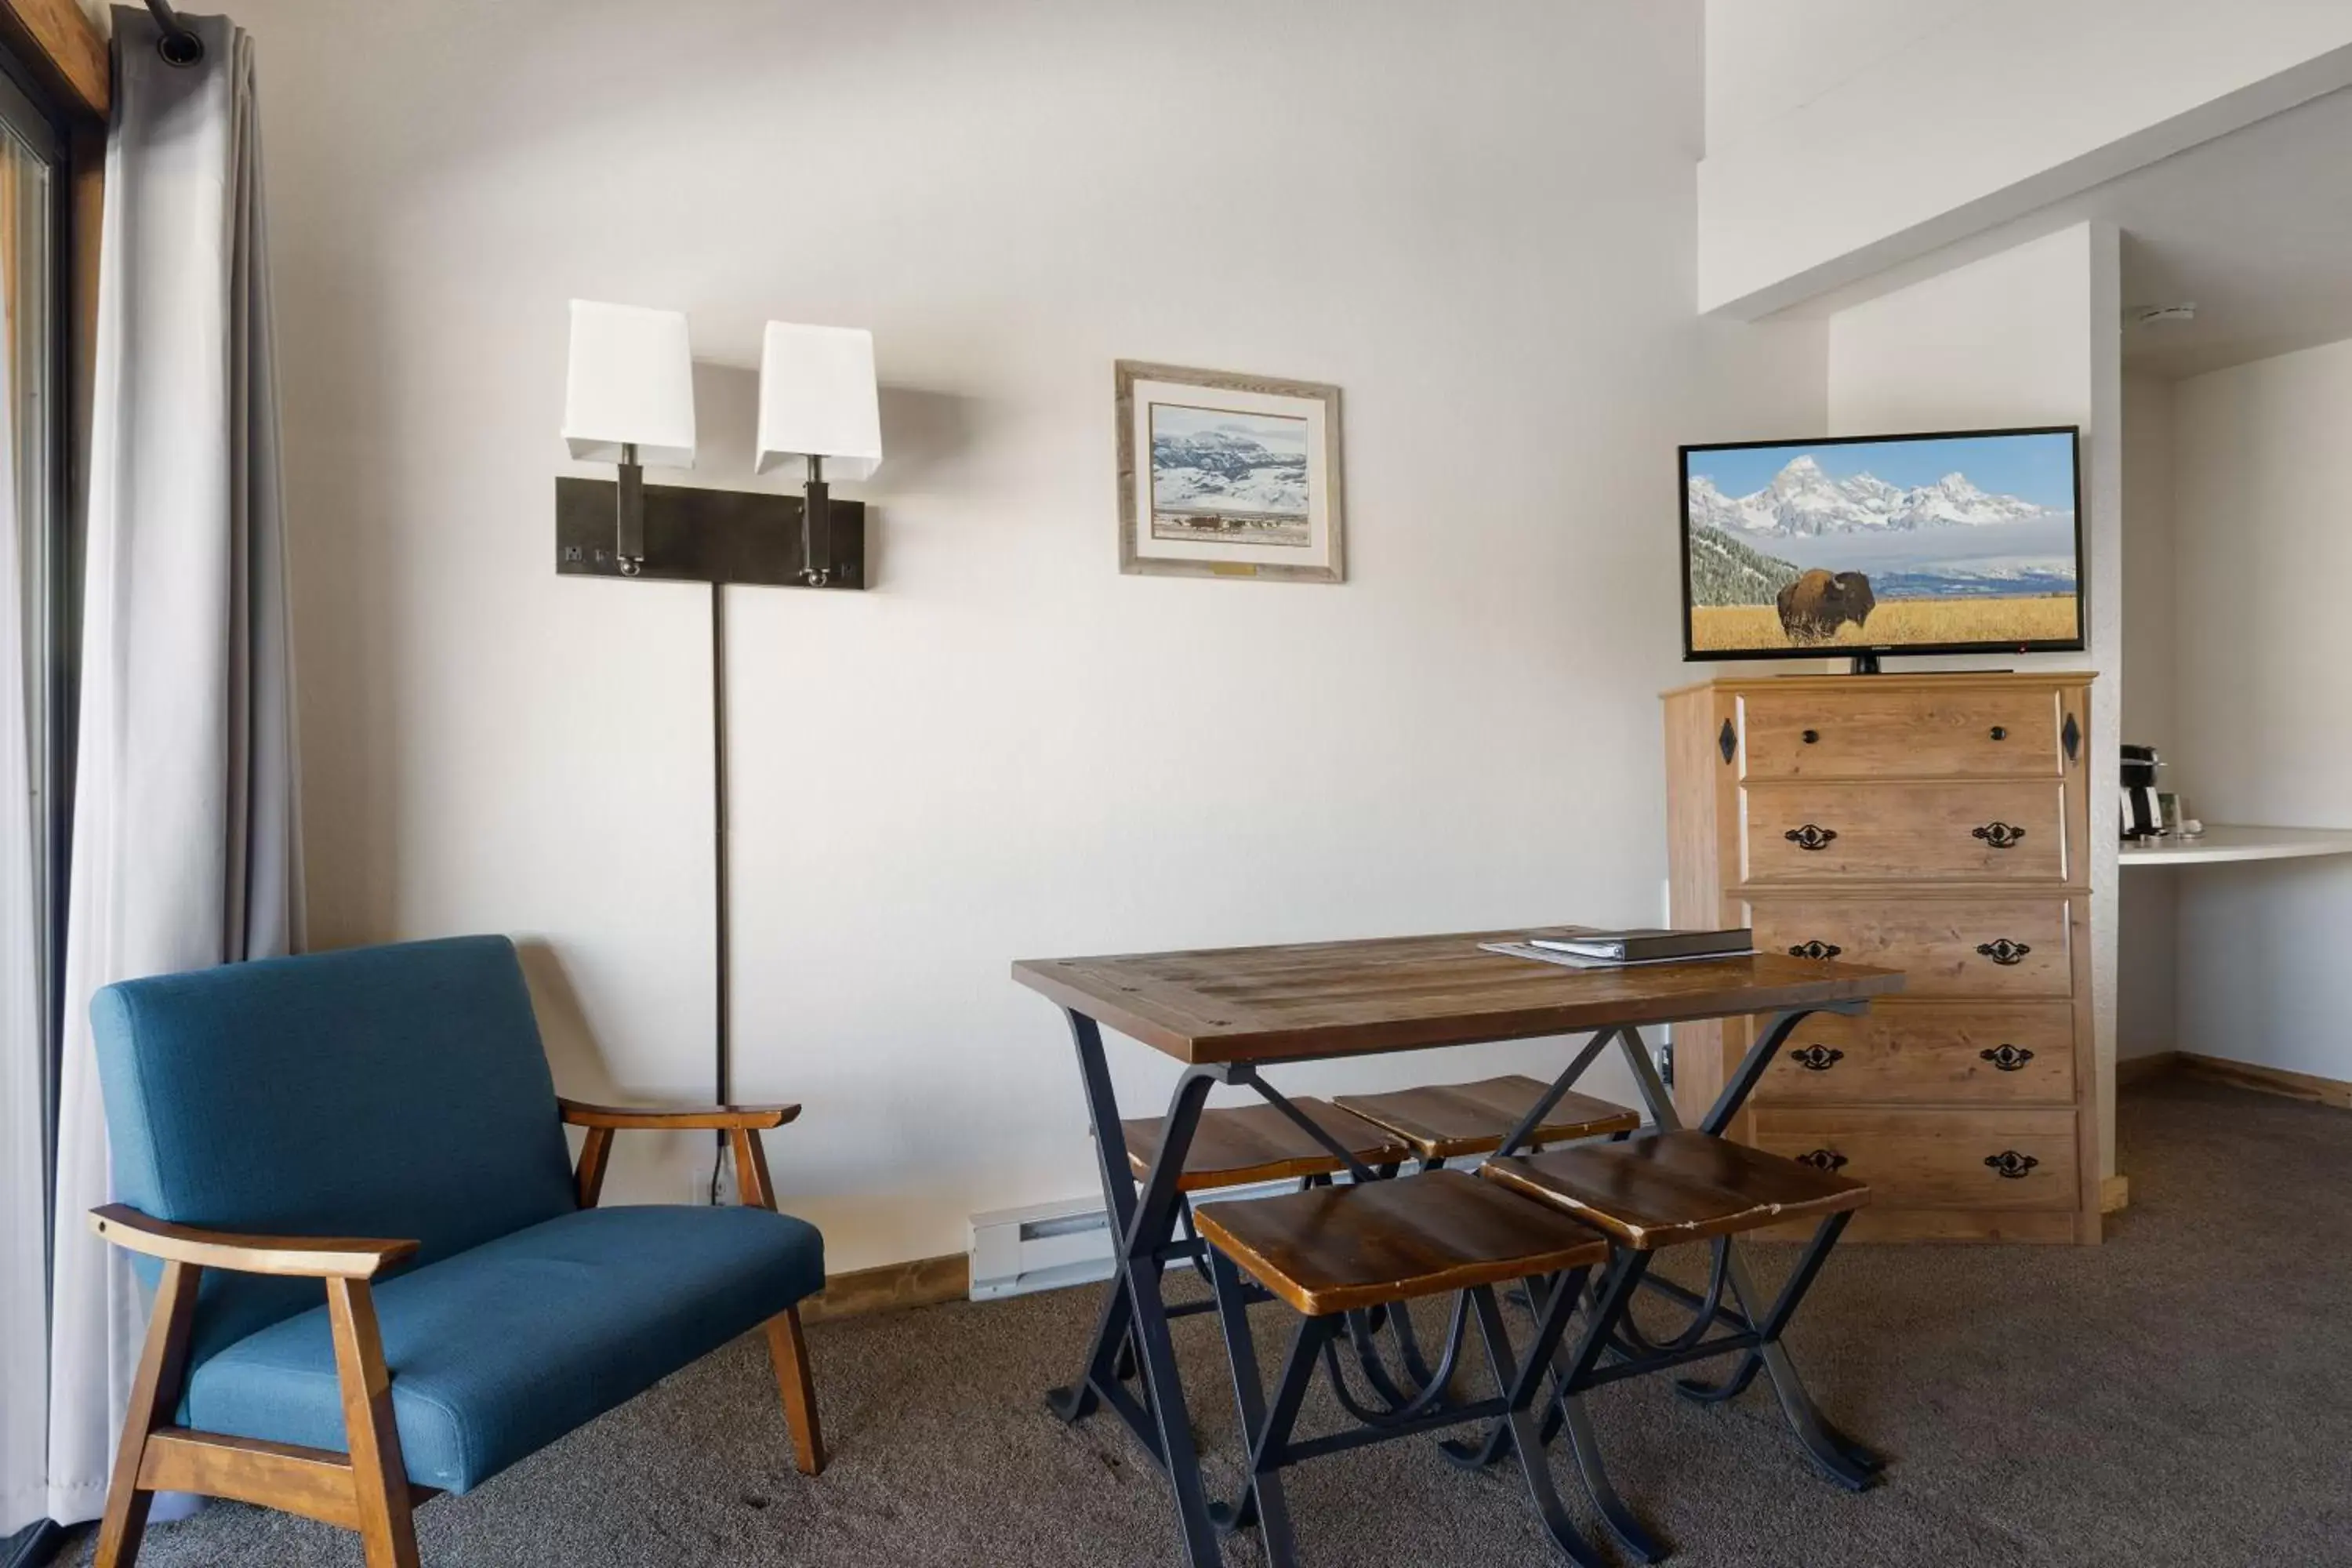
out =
column 186, row 847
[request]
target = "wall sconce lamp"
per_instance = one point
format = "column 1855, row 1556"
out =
column 629, row 401
column 628, row 398
column 817, row 401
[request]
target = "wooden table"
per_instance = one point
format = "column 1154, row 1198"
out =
column 1228, row 1013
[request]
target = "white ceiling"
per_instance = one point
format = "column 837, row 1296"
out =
column 2255, row 228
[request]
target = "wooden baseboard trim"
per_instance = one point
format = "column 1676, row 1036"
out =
column 2046, row 1227
column 2114, row 1193
column 892, row 1288
column 2303, row 1085
column 2133, row 1070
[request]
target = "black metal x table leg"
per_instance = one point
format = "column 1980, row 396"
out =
column 1134, row 1313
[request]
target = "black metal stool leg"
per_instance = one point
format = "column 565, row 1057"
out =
column 1698, row 1391
column 1269, row 1448
column 1585, row 1445
column 1839, row 1457
column 1620, row 1286
column 1487, row 1450
column 1521, row 1382
column 1490, row 1449
column 1261, row 1501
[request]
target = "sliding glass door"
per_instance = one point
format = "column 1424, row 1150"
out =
column 38, row 582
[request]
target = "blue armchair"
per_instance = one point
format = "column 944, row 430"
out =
column 267, row 1117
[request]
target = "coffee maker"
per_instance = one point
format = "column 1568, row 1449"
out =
column 2142, row 818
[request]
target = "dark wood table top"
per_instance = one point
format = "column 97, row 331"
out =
column 1401, row 993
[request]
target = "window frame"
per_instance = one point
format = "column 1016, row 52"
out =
column 30, row 113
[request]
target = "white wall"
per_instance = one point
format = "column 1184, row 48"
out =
column 2028, row 336
column 1845, row 136
column 2147, row 913
column 1769, row 58
column 1477, row 220
column 2264, row 687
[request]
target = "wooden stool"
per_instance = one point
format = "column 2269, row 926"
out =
column 1331, row 1252
column 1667, row 1187
column 1663, row 1189
column 1235, row 1145
column 1449, row 1121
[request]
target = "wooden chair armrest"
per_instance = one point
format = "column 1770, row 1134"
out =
column 706, row 1118
column 305, row 1256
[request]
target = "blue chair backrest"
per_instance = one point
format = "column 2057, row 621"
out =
column 397, row 1092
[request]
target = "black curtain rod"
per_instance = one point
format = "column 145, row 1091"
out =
column 179, row 45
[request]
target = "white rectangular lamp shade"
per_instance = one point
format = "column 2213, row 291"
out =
column 818, row 399
column 631, row 383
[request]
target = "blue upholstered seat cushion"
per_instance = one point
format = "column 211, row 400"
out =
column 395, row 1091
column 499, row 1351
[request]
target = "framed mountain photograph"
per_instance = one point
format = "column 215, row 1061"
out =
column 1228, row 475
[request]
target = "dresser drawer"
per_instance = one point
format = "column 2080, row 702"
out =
column 1993, row 1052
column 1985, row 947
column 1902, row 731
column 1937, row 1159
column 1994, row 830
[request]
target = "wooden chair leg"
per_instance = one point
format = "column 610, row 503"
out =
column 379, row 1477
column 155, row 1397
column 588, row 1181
column 753, row 1188
column 788, row 1348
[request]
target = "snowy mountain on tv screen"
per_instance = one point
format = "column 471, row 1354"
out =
column 1801, row 501
column 1948, row 537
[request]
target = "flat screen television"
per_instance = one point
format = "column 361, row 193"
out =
column 1961, row 541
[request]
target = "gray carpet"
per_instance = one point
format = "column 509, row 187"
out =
column 2180, row 1395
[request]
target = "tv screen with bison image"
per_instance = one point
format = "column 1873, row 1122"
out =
column 1958, row 542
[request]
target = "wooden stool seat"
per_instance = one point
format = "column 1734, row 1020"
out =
column 1235, row 1145
column 1446, row 1121
column 1657, row 1189
column 1335, row 1249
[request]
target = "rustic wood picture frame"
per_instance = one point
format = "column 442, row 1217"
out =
column 1324, row 472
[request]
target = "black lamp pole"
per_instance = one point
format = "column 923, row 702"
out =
column 721, row 926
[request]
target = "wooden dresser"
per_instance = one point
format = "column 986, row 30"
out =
column 1935, row 824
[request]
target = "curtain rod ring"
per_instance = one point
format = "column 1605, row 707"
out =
column 179, row 45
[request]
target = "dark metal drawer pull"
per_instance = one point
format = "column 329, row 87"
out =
column 1727, row 740
column 1810, row 836
column 1998, row 733
column 1822, row 1159
column 1817, row 1059
column 1811, row 737
column 1815, row 950
column 2072, row 736
column 2007, row 1058
column 1999, row 835
column 2004, row 950
column 2011, row 1165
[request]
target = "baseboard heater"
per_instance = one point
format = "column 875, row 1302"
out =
column 1050, row 1247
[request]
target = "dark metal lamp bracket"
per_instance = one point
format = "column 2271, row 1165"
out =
column 705, row 536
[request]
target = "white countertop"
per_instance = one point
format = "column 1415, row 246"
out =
column 2223, row 842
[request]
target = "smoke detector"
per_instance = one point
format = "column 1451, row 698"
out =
column 2151, row 315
